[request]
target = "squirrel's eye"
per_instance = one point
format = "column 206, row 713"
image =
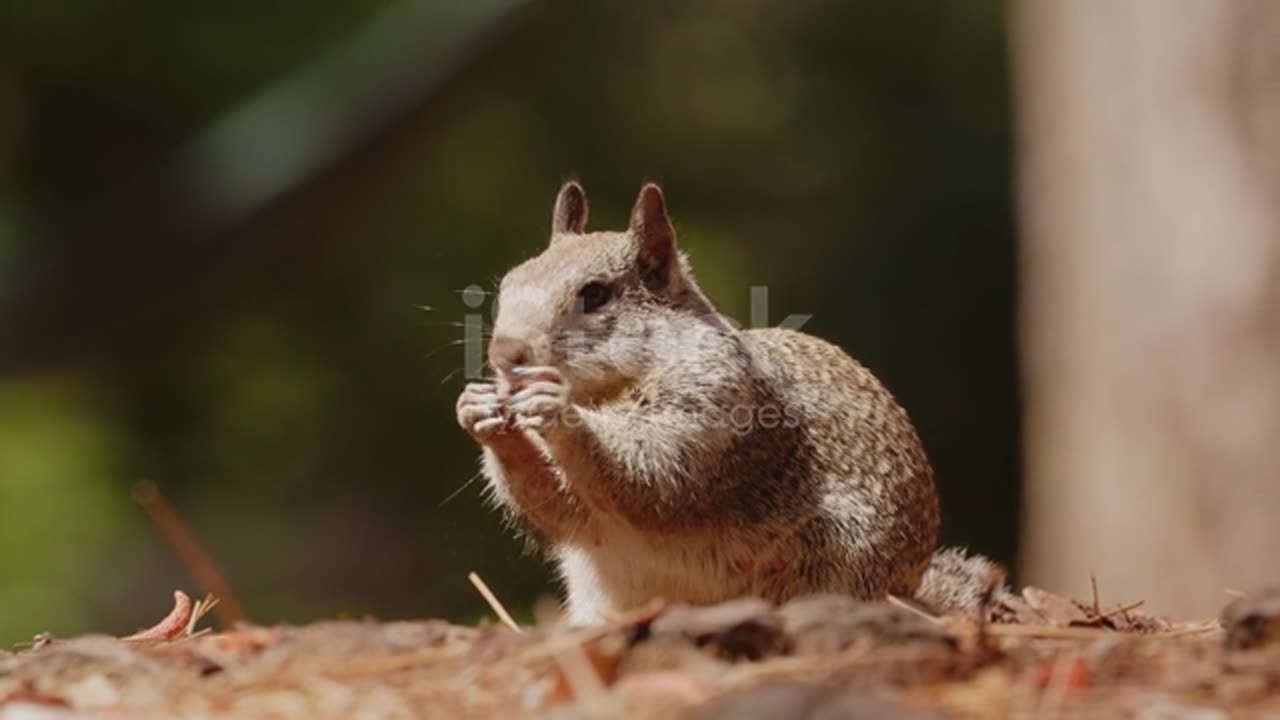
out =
column 594, row 295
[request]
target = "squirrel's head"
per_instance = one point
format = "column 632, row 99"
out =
column 590, row 303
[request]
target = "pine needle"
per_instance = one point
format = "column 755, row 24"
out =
column 494, row 603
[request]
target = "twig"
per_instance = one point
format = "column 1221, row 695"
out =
column 900, row 603
column 494, row 604
column 1093, row 588
column 188, row 548
column 202, row 608
column 1087, row 633
column 1124, row 609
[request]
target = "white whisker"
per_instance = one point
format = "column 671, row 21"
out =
column 461, row 487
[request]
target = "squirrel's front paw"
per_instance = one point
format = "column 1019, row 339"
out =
column 541, row 400
column 480, row 411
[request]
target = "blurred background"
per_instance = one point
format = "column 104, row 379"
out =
column 233, row 239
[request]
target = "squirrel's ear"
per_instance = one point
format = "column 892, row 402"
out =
column 570, row 214
column 651, row 226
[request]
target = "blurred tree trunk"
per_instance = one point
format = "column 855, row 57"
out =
column 1149, row 183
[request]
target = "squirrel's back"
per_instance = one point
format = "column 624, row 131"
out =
column 842, row 404
column 876, row 481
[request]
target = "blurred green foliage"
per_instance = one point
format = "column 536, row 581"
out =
column 59, row 511
column 272, row 373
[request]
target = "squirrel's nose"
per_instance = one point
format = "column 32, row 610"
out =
column 507, row 352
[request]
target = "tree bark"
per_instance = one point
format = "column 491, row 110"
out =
column 1149, row 203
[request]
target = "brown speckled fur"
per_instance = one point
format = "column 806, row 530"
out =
column 680, row 457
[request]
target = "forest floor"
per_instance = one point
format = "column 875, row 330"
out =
column 1034, row 654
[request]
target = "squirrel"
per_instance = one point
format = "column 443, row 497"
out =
column 658, row 450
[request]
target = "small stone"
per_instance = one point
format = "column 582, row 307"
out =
column 742, row 628
column 819, row 624
column 1252, row 621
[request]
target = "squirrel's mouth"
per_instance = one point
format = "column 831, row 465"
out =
column 508, row 354
column 515, row 375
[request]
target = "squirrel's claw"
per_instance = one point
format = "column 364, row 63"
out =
column 540, row 400
column 480, row 410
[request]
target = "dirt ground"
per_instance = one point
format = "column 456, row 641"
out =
column 1033, row 654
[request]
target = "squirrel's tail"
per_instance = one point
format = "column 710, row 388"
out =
column 957, row 582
